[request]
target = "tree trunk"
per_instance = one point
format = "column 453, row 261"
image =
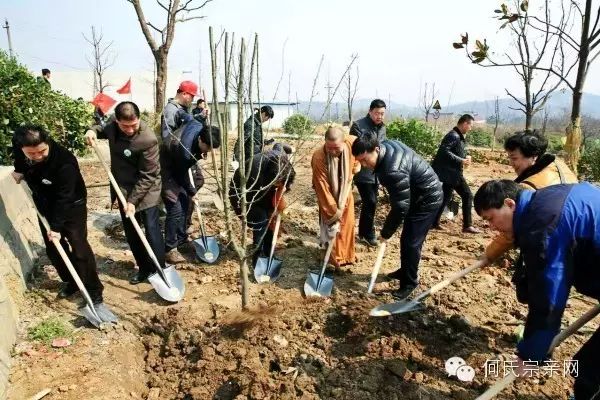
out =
column 528, row 120
column 161, row 82
column 245, row 283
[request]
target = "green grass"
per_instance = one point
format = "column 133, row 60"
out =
column 48, row 330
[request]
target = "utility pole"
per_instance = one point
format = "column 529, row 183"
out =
column 7, row 27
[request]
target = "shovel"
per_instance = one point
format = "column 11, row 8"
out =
column 207, row 247
column 568, row 331
column 320, row 284
column 404, row 306
column 98, row 314
column 376, row 267
column 166, row 282
column 269, row 269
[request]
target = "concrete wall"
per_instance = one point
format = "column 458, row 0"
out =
column 20, row 240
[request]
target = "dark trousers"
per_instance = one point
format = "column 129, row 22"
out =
column 176, row 221
column 587, row 383
column 258, row 221
column 414, row 232
column 149, row 219
column 74, row 242
column 368, row 196
column 463, row 190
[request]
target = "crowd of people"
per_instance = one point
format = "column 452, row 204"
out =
column 544, row 212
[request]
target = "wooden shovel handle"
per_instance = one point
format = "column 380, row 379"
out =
column 134, row 222
column 440, row 285
column 376, row 267
column 69, row 265
column 558, row 339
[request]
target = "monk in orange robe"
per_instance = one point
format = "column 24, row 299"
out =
column 333, row 167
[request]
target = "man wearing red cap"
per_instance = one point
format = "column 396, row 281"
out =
column 176, row 112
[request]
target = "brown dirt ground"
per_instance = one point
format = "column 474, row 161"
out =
column 288, row 347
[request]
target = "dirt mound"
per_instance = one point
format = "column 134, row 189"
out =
column 311, row 350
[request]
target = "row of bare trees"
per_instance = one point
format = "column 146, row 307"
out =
column 545, row 51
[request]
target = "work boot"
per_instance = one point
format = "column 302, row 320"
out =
column 138, row 277
column 471, row 229
column 67, row 291
column 174, row 257
column 403, row 292
column 395, row 275
column 370, row 242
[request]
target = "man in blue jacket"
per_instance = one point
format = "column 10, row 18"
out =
column 558, row 232
column 179, row 152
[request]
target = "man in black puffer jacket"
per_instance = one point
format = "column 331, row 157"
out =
column 448, row 164
column 415, row 199
column 366, row 181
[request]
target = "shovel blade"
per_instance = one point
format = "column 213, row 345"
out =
column 399, row 307
column 209, row 252
column 312, row 287
column 91, row 315
column 105, row 314
column 172, row 288
column 263, row 272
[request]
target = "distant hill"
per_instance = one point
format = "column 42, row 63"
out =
column 557, row 105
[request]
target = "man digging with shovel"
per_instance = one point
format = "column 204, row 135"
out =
column 180, row 151
column 135, row 165
column 58, row 191
column 557, row 230
column 415, row 198
column 333, row 167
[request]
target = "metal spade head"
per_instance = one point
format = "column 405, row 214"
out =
column 91, row 315
column 398, row 307
column 312, row 287
column 267, row 272
column 171, row 288
column 105, row 314
column 207, row 249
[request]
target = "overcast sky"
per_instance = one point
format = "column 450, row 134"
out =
column 401, row 44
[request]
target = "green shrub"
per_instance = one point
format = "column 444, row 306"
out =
column 24, row 100
column 555, row 144
column 480, row 137
column 589, row 163
column 417, row 135
column 298, row 125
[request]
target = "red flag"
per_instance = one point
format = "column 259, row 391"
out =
column 126, row 88
column 103, row 102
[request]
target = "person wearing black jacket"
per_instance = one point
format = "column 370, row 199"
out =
column 271, row 174
column 134, row 162
column 448, row 164
column 366, row 180
column 59, row 193
column 253, row 134
column 179, row 152
column 415, row 197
